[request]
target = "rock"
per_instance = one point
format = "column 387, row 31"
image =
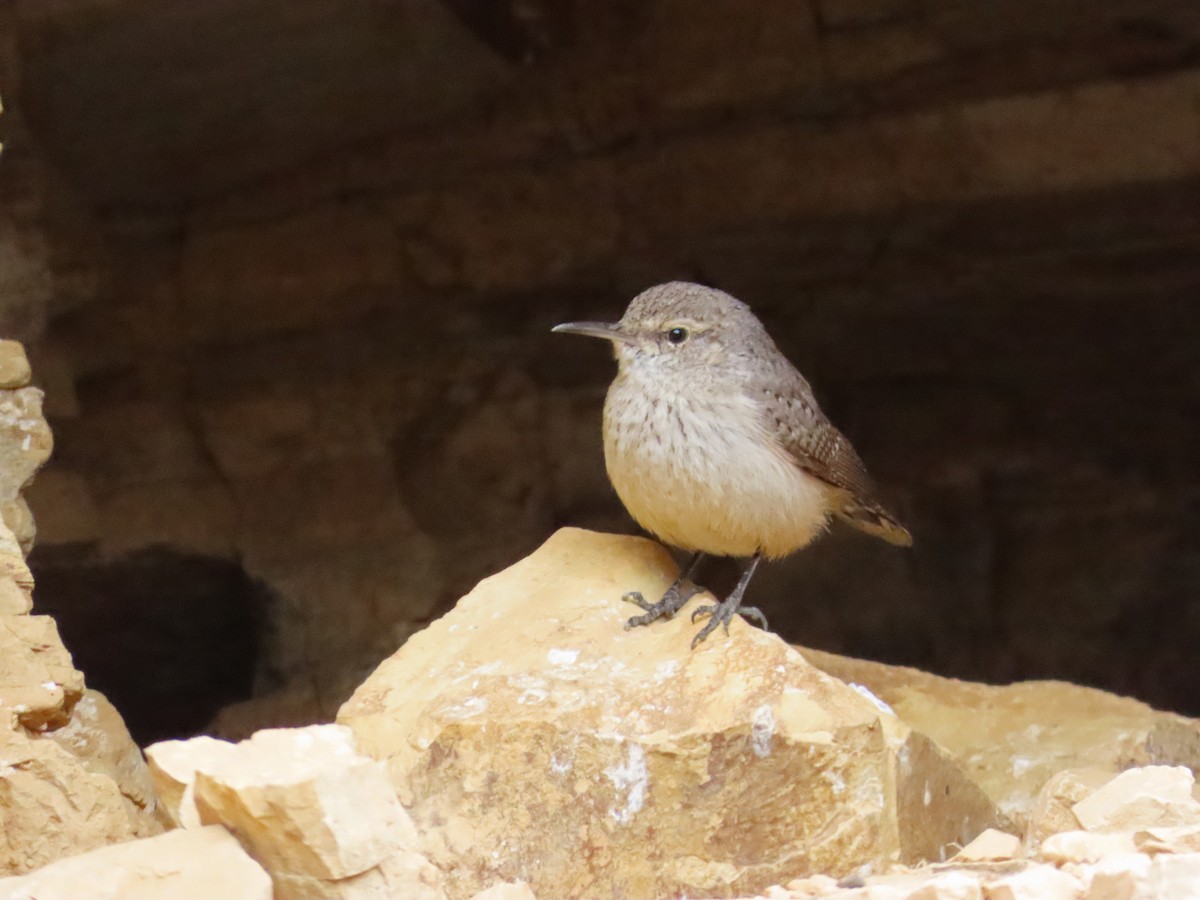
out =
column 916, row 885
column 303, row 801
column 1051, row 811
column 812, row 886
column 1141, row 798
column 1012, row 739
column 1175, row 876
column 173, row 766
column 96, row 735
column 989, row 845
column 405, row 874
column 25, row 444
column 978, row 881
column 1034, row 883
column 533, row 738
column 322, row 819
column 51, row 806
column 199, row 864
column 37, row 681
column 1171, row 839
column 14, row 366
column 1135, row 876
column 71, row 778
column 949, row 886
column 517, row 890
column 17, row 597
column 1084, row 846
column 1122, row 876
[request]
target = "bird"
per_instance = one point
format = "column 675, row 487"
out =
column 716, row 445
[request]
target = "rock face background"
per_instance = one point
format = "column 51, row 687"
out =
column 287, row 276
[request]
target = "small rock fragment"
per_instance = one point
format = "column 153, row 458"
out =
column 1084, row 846
column 1175, row 876
column 813, row 886
column 1178, row 839
column 991, row 844
column 14, row 365
column 513, row 890
column 406, row 874
column 1119, row 877
column 1141, row 798
column 1038, row 882
column 1051, row 811
column 1034, row 883
column 322, row 819
column 303, row 802
column 907, row 884
column 173, row 766
column 947, row 886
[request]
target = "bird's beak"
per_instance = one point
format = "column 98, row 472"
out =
column 595, row 329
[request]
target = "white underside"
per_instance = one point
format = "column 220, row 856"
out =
column 701, row 474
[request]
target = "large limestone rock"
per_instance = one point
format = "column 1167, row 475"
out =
column 203, row 864
column 534, row 739
column 321, row 818
column 1012, row 739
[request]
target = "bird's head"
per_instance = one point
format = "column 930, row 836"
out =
column 677, row 327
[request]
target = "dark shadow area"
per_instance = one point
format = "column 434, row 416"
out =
column 169, row 637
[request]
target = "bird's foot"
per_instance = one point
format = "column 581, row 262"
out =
column 672, row 601
column 721, row 614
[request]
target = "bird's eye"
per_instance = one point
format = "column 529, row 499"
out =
column 677, row 335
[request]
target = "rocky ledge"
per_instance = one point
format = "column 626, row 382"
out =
column 527, row 746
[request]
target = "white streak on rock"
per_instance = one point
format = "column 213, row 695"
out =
column 630, row 778
column 557, row 657
column 762, row 729
column 878, row 704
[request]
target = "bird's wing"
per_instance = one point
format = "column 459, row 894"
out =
column 817, row 447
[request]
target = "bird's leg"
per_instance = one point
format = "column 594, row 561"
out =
column 721, row 613
column 671, row 601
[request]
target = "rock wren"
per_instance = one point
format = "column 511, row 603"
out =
column 715, row 443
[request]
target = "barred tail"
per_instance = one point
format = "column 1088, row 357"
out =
column 874, row 520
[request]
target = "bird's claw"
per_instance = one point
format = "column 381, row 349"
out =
column 636, row 598
column 671, row 602
column 756, row 614
column 721, row 614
